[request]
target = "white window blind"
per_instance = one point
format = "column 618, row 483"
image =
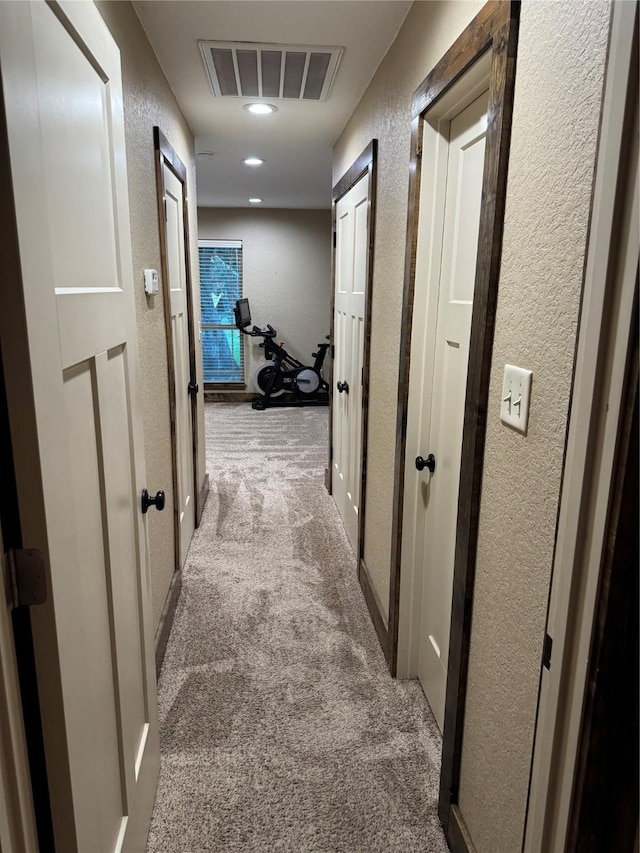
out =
column 220, row 286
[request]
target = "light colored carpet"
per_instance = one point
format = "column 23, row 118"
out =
column 281, row 728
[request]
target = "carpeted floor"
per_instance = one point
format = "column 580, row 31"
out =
column 280, row 726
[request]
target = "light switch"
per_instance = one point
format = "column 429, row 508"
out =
column 516, row 393
column 151, row 285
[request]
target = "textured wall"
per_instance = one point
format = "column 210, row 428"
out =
column 286, row 259
column 385, row 113
column 559, row 79
column 149, row 101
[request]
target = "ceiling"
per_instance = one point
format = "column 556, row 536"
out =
column 296, row 141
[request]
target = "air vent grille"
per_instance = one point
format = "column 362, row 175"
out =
column 248, row 70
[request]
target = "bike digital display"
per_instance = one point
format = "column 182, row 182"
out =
column 243, row 313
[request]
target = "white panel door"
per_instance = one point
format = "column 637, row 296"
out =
column 445, row 375
column 352, row 253
column 76, row 422
column 177, row 284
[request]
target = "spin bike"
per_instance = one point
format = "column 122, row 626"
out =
column 282, row 373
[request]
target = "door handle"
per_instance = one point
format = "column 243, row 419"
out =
column 343, row 386
column 192, row 388
column 157, row 501
column 429, row 462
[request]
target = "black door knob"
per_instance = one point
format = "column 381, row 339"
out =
column 193, row 388
column 342, row 386
column 429, row 462
column 157, row 500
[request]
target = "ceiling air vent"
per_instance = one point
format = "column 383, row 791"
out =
column 249, row 70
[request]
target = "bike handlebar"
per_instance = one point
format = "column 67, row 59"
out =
column 256, row 331
column 267, row 332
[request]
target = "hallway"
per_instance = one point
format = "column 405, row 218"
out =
column 280, row 726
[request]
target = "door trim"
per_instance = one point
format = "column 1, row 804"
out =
column 493, row 30
column 166, row 156
column 367, row 162
column 166, row 620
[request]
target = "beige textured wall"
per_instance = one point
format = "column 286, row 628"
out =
column 149, row 101
column 561, row 57
column 286, row 258
column 385, row 113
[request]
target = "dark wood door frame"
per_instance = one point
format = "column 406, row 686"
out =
column 367, row 162
column 494, row 30
column 166, row 156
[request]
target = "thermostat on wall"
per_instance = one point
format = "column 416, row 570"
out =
column 151, row 282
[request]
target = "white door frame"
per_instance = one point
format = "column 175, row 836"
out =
column 425, row 310
column 596, row 410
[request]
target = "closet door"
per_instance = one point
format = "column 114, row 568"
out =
column 67, row 321
column 352, row 252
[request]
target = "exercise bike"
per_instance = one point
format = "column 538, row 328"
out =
column 282, row 373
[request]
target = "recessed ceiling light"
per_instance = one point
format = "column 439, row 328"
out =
column 255, row 201
column 253, row 161
column 261, row 109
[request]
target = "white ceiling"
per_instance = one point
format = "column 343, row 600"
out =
column 296, row 141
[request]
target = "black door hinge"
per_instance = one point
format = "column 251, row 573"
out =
column 27, row 580
column 335, row 240
column 546, row 651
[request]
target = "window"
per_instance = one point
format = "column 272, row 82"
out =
column 220, row 286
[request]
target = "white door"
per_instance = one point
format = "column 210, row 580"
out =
column 443, row 389
column 67, row 321
column 177, row 284
column 352, row 252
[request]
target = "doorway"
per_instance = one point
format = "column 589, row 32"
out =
column 453, row 150
column 354, row 203
column 352, row 226
column 447, row 110
column 171, row 175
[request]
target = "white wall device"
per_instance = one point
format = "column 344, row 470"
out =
column 516, row 393
column 151, row 284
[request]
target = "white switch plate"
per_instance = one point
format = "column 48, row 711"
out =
column 151, row 284
column 516, row 393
